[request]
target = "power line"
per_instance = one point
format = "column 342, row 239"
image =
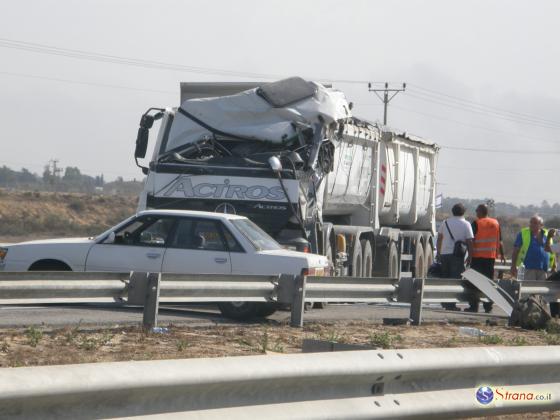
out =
column 151, row 64
column 482, row 112
column 77, row 82
column 481, row 127
column 520, row 152
column 433, row 92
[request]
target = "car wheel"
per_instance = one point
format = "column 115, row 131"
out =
column 266, row 309
column 238, row 310
column 49, row 265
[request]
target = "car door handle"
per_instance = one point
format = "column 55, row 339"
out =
column 220, row 260
column 153, row 255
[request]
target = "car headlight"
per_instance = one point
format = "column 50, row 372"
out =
column 3, row 253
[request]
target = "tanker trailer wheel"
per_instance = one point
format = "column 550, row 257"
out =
column 428, row 257
column 356, row 261
column 330, row 258
column 419, row 266
column 367, row 257
column 238, row 310
column 393, row 262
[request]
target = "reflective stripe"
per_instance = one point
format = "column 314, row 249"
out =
column 486, row 238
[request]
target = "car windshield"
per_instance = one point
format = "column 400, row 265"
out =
column 104, row 235
column 258, row 237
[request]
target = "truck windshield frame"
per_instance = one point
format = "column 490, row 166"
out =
column 260, row 240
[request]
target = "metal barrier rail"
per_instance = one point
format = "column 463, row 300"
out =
column 425, row 383
column 61, row 287
column 216, row 288
column 149, row 289
column 350, row 289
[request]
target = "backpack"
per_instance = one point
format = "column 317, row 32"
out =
column 530, row 313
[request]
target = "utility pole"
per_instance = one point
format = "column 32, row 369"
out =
column 386, row 98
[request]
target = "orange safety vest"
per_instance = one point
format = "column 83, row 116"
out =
column 487, row 238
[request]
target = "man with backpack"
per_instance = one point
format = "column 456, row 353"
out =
column 455, row 238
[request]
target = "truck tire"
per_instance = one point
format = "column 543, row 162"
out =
column 393, row 265
column 428, row 257
column 367, row 258
column 419, row 266
column 356, row 269
column 238, row 310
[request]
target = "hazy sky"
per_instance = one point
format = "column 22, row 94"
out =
column 480, row 75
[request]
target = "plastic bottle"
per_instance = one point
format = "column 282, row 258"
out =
column 473, row 332
column 160, row 330
column 521, row 272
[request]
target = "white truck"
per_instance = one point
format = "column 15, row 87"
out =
column 291, row 156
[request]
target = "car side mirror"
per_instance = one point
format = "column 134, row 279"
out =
column 110, row 239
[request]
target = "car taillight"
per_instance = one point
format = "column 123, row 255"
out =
column 315, row 271
column 3, row 253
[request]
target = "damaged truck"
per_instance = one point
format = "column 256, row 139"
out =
column 291, row 156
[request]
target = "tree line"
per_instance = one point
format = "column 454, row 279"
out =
column 69, row 179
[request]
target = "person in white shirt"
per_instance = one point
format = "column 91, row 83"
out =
column 453, row 230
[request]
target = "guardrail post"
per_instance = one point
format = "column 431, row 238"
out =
column 151, row 305
column 416, row 303
column 291, row 289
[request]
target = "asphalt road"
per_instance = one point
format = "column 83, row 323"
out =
column 208, row 314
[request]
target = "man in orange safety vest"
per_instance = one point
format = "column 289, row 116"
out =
column 487, row 246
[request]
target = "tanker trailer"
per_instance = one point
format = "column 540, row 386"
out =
column 291, row 156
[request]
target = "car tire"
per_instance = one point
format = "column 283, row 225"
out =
column 238, row 310
column 266, row 309
column 49, row 265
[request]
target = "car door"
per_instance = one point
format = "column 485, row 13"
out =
column 137, row 246
column 197, row 246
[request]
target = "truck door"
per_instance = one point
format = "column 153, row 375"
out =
column 138, row 246
column 197, row 247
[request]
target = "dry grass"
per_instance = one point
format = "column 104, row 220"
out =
column 33, row 215
column 35, row 346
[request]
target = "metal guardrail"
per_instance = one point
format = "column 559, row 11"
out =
column 425, row 383
column 61, row 287
column 148, row 290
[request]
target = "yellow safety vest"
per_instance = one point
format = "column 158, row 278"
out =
column 525, row 242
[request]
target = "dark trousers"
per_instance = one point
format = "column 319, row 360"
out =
column 451, row 268
column 484, row 266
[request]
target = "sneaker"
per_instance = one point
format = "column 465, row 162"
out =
column 487, row 307
column 473, row 309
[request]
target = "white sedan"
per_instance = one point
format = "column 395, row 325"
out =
column 171, row 241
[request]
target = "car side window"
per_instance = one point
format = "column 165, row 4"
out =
column 232, row 243
column 198, row 234
column 147, row 231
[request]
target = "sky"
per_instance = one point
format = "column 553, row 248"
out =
column 482, row 77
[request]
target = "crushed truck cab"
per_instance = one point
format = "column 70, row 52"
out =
column 291, row 156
